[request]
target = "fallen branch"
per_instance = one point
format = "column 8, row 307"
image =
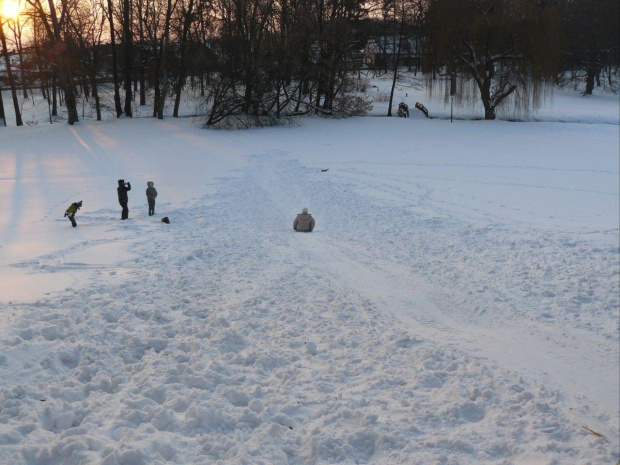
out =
column 596, row 434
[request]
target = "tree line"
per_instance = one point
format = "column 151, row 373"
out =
column 256, row 62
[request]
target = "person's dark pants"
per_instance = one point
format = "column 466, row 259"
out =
column 72, row 219
column 125, row 213
column 151, row 206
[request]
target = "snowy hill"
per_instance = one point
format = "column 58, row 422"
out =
column 457, row 302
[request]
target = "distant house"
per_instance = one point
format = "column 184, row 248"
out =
column 380, row 52
column 353, row 54
column 23, row 69
column 14, row 65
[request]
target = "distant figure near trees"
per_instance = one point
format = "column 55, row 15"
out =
column 422, row 108
column 72, row 210
column 304, row 221
column 403, row 110
column 123, row 198
column 151, row 195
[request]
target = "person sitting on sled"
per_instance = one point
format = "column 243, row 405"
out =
column 304, row 221
column 72, row 210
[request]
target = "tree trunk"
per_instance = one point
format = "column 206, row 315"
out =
column 164, row 90
column 20, row 52
column 156, row 96
column 65, row 76
column 93, row 84
column 96, row 95
column 164, row 83
column 128, row 59
column 84, row 82
column 2, row 115
column 70, row 100
column 9, row 71
column 117, row 95
column 49, row 104
column 54, row 96
column 142, row 78
column 181, row 80
column 590, row 81
column 44, row 76
column 141, row 54
column 396, row 63
column 485, row 96
column 249, row 89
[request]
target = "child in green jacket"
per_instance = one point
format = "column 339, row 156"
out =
column 72, row 210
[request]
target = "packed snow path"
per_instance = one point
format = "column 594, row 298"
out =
column 397, row 332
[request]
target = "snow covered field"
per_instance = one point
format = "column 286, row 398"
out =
column 457, row 303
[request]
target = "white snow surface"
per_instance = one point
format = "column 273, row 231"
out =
column 457, row 302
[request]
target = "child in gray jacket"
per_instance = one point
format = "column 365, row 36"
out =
column 151, row 195
column 304, row 221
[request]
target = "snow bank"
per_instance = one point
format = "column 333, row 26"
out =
column 457, row 302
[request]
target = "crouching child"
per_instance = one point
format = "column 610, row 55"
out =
column 72, row 210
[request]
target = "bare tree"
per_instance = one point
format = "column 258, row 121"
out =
column 65, row 62
column 17, row 27
column 591, row 38
column 165, row 53
column 128, row 44
column 43, row 63
column 506, row 49
column 87, row 21
column 54, row 23
column 143, row 46
column 244, row 28
column 399, row 20
column 187, row 15
column 156, row 16
column 9, row 71
column 117, row 95
column 335, row 27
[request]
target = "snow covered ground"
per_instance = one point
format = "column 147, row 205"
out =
column 458, row 302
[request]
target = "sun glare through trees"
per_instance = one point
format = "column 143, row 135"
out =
column 9, row 9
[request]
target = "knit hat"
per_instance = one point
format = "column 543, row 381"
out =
column 150, row 184
column 304, row 210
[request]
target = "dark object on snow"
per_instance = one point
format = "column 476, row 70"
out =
column 151, row 195
column 123, row 199
column 324, row 170
column 72, row 210
column 403, row 110
column 166, row 220
column 422, row 108
column 304, row 222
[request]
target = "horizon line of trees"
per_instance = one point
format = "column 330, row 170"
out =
column 256, row 62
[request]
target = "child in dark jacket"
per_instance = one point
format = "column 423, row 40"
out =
column 151, row 195
column 123, row 198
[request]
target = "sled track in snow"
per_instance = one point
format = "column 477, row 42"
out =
column 235, row 340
